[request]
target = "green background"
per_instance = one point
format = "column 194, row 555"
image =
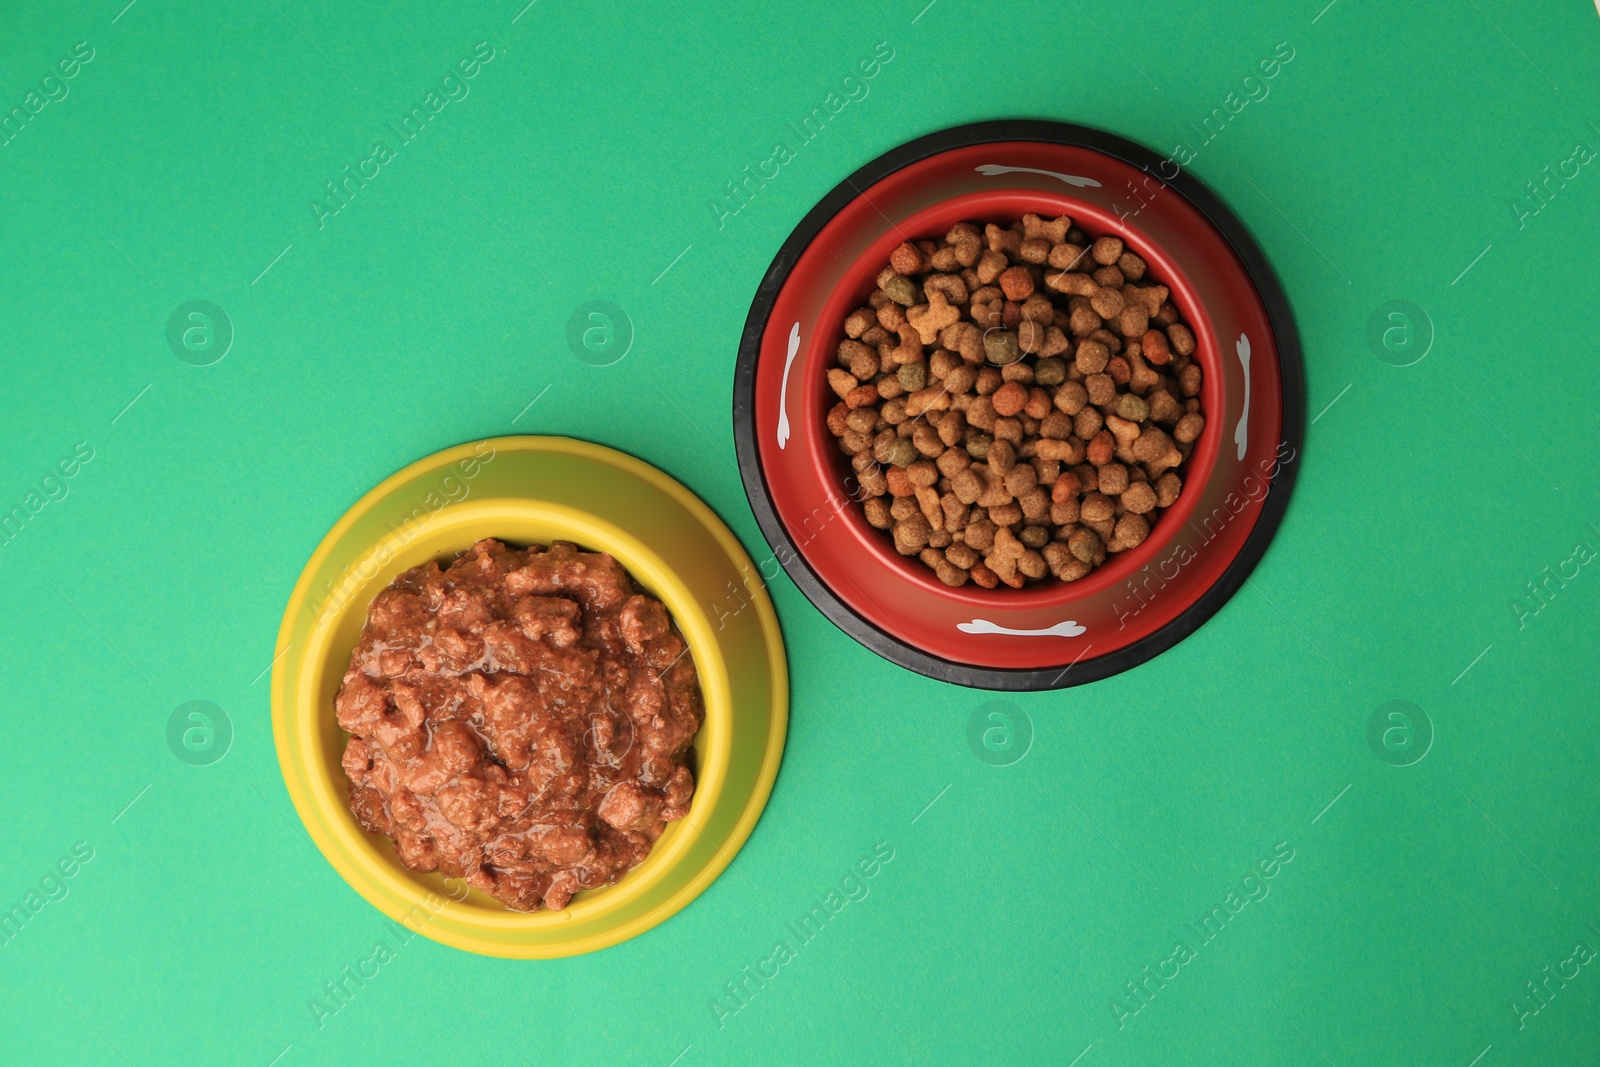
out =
column 1383, row 165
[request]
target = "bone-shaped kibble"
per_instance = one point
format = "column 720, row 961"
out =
column 928, row 319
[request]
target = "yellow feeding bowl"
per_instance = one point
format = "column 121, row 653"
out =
column 532, row 490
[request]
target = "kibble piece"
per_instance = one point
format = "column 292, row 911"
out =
column 1113, row 478
column 1001, row 347
column 990, row 266
column 1153, row 344
column 900, row 452
column 1107, row 250
column 1071, row 397
column 902, row 291
column 1133, row 408
column 1133, row 322
column 955, row 512
column 1002, row 239
column 1056, row 426
column 1145, row 378
column 1101, row 448
column 1065, row 257
column 837, row 419
column 862, row 420
column 1038, row 405
column 1008, row 430
column 1182, row 340
column 1067, row 487
column 912, row 377
column 1156, row 451
column 983, row 576
column 1107, row 302
column 930, row 319
column 1049, row 372
column 1131, row 530
column 1103, row 528
column 1188, row 428
column 1005, row 516
column 1083, row 544
column 927, row 440
column 1021, row 479
column 1091, row 357
column 911, row 535
column 1164, row 407
column 1031, row 339
column 1108, row 277
column 1102, row 388
column 1035, row 505
column 907, row 259
column 877, row 510
column 1009, row 399
column 980, row 533
column 1064, row 565
column 1139, row 498
column 967, row 486
column 1021, row 373
column 1087, row 423
column 859, row 322
column 1083, row 321
column 950, row 429
column 1120, row 370
column 1096, row 507
column 1125, row 432
column 962, row 555
column 1016, row 283
column 961, row 379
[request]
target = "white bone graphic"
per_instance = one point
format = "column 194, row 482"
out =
column 984, row 626
column 783, row 392
column 992, row 169
column 1241, row 433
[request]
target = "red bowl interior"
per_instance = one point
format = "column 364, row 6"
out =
column 861, row 278
column 1134, row 593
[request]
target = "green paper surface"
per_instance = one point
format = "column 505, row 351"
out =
column 1440, row 902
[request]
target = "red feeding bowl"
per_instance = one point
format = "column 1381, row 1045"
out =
column 1051, row 634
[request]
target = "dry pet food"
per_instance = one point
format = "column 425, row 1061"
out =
column 520, row 719
column 1017, row 402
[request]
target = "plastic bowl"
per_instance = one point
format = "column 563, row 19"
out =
column 526, row 490
column 1236, row 483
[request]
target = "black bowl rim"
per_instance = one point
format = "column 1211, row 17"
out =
column 1291, row 371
